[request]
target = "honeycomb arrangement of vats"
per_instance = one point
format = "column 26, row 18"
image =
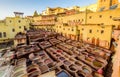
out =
column 54, row 52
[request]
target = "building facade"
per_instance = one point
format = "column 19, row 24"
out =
column 86, row 24
column 11, row 26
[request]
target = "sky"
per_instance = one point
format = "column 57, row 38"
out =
column 7, row 7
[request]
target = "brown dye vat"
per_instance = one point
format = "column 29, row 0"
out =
column 31, row 70
column 77, row 58
column 88, row 59
column 77, row 52
column 80, row 74
column 77, row 63
column 72, row 67
column 71, row 59
column 57, row 55
column 36, row 54
column 50, row 65
column 84, row 53
column 54, row 53
column 66, row 56
column 97, row 63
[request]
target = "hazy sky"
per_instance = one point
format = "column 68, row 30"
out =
column 7, row 7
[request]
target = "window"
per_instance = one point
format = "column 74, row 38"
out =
column 113, row 26
column 19, row 27
column 97, row 30
column 25, row 28
column 110, row 17
column 0, row 35
column 88, row 38
column 72, row 29
column 19, row 21
column 90, row 17
column 68, row 28
column 4, row 34
column 82, row 29
column 90, row 31
column 10, row 21
column 102, row 31
column 13, row 30
column 100, row 16
column 82, row 19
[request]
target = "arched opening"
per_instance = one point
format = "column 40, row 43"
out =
column 97, row 41
column 93, row 40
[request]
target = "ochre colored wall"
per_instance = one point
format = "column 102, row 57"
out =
column 76, row 17
column 11, row 23
column 95, row 21
column 107, row 17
